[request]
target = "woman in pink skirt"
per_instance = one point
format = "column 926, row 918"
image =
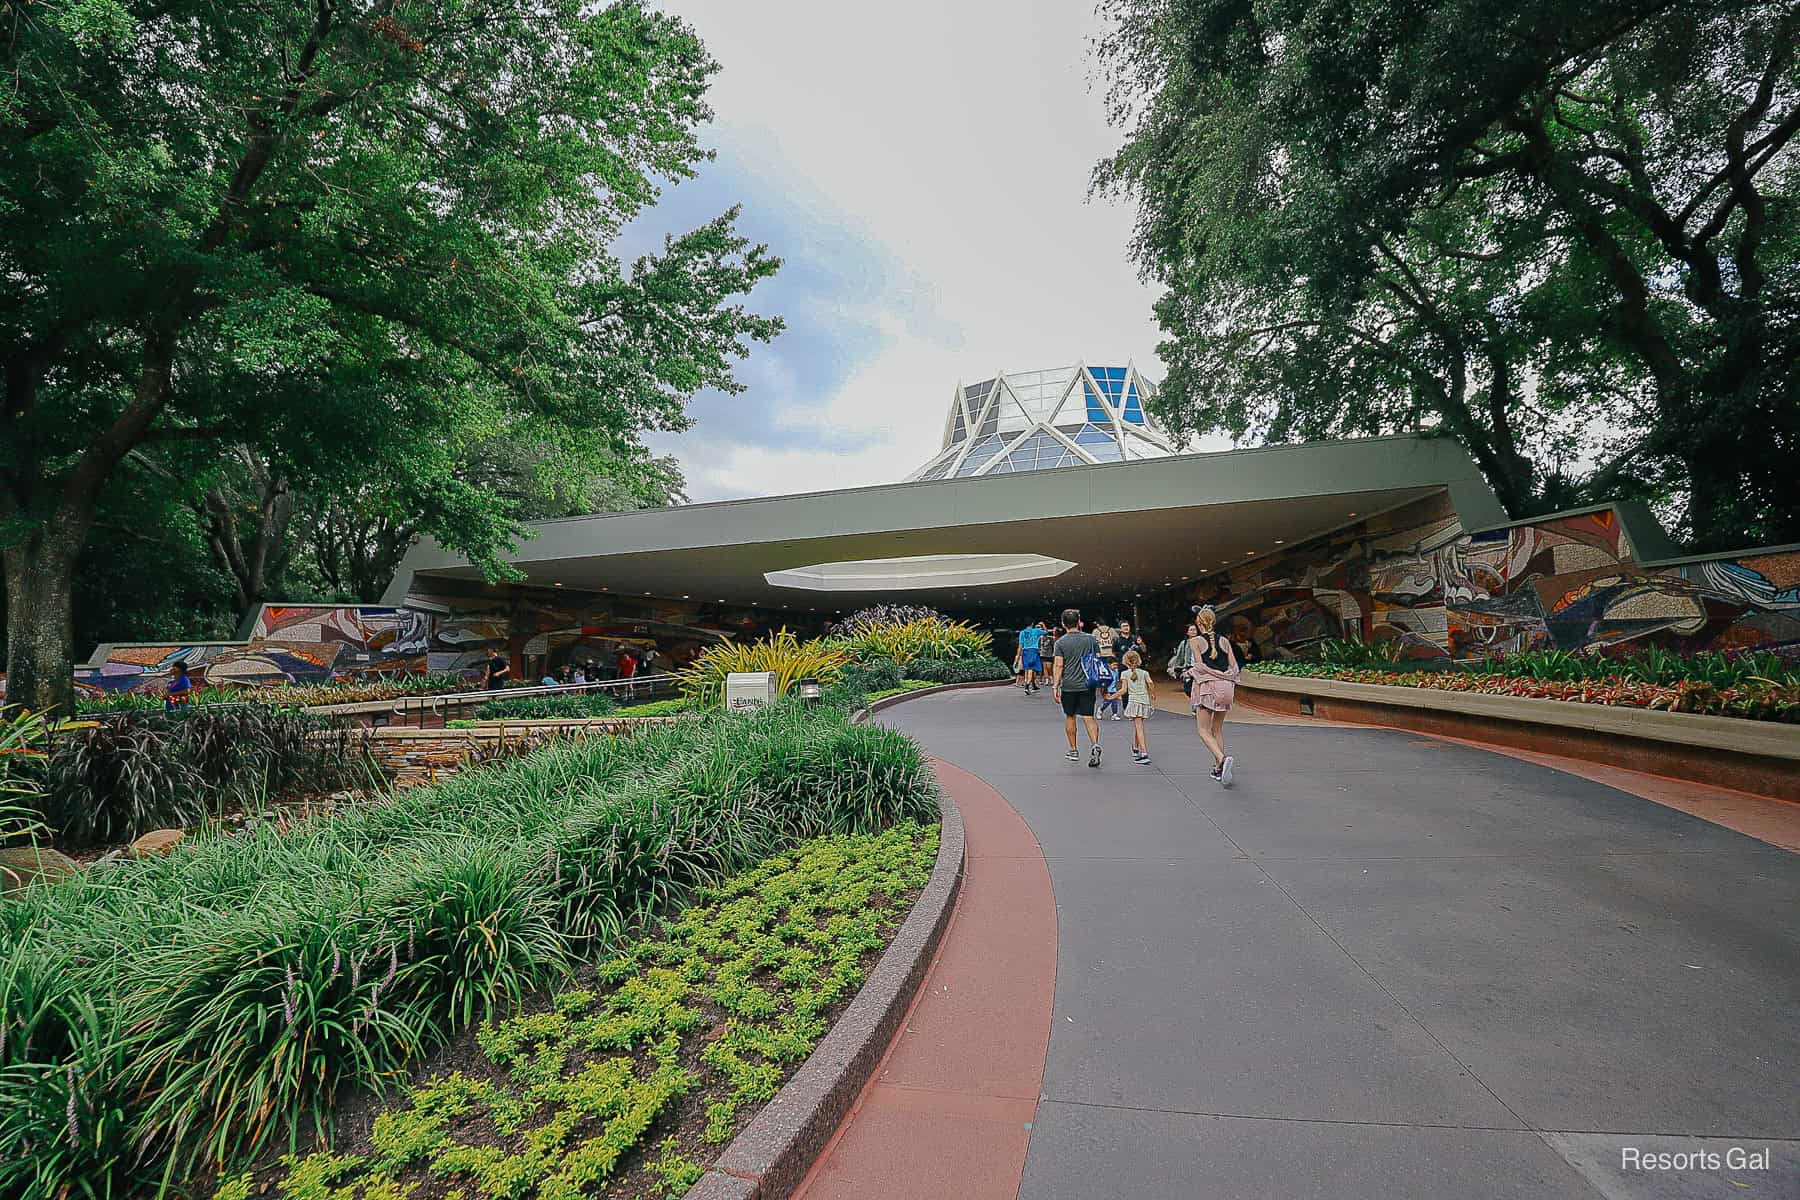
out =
column 1214, row 673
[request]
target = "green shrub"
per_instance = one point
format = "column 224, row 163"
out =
column 656, row 708
column 566, row 706
column 295, row 695
column 181, row 1014
column 958, row 670
column 874, row 676
column 119, row 776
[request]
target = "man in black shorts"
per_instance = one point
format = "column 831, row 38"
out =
column 1072, row 684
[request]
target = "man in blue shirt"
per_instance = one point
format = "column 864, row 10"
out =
column 1031, row 658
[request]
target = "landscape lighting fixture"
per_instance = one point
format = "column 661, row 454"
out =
column 810, row 691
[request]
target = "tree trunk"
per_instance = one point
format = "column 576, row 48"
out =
column 40, row 634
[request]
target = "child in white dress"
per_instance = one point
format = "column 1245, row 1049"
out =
column 1139, row 691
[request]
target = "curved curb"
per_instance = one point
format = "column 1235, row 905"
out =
column 889, row 701
column 1756, row 757
column 772, row 1155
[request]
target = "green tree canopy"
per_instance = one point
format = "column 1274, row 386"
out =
column 359, row 239
column 1562, row 233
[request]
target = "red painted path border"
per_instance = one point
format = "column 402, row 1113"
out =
column 948, row 1112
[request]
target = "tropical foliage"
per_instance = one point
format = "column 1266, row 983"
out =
column 23, row 738
column 920, row 637
column 707, row 1020
column 703, row 680
column 169, row 1018
column 883, row 614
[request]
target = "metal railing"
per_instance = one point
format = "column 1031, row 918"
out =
column 641, row 688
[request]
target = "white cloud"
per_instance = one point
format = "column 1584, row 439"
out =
column 954, row 142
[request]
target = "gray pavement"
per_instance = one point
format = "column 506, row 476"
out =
column 1387, row 966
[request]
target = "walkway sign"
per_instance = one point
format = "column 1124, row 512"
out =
column 745, row 690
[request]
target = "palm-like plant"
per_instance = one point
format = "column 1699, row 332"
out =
column 703, row 680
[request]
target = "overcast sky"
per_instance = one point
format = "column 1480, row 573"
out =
column 922, row 170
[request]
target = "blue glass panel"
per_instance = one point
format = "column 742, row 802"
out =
column 1096, row 411
column 1133, row 411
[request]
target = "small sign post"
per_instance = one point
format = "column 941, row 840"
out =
column 745, row 690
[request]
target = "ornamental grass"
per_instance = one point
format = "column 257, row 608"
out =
column 167, row 1019
column 638, row 1075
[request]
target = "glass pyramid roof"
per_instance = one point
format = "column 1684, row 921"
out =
column 1039, row 420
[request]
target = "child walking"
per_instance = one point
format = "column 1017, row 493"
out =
column 1139, row 691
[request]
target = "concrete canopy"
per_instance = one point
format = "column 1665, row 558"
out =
column 1130, row 528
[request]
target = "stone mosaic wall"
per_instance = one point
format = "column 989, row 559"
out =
column 1569, row 581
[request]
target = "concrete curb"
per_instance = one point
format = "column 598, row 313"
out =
column 1760, row 757
column 889, row 701
column 772, row 1155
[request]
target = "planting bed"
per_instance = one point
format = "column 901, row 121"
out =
column 632, row 1082
column 1752, row 699
column 178, row 1017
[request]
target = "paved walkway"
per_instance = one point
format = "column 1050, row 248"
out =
column 1382, row 965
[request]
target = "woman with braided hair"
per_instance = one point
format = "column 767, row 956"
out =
column 1215, row 670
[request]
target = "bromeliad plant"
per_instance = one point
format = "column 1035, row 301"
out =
column 707, row 1019
column 934, row 637
column 176, row 1016
column 703, row 680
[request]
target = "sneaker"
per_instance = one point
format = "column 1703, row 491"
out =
column 1225, row 771
column 1094, row 755
column 1117, row 717
column 1072, row 756
column 1139, row 756
column 1214, row 772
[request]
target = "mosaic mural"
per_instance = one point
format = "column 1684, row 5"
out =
column 149, row 668
column 1568, row 581
column 294, row 643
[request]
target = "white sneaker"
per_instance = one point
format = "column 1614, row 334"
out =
column 1072, row 756
column 1225, row 771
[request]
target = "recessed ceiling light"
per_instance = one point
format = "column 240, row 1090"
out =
column 646, row 593
column 685, row 596
column 1353, row 514
column 1281, row 541
column 558, row 584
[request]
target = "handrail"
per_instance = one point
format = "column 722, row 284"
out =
column 439, row 705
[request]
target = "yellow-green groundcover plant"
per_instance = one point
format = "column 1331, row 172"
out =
column 642, row 1075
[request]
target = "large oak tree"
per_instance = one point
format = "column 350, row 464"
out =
column 354, row 240
column 1564, row 234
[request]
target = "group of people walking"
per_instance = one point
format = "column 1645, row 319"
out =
column 1100, row 673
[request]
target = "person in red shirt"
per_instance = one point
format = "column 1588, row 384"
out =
column 627, row 666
